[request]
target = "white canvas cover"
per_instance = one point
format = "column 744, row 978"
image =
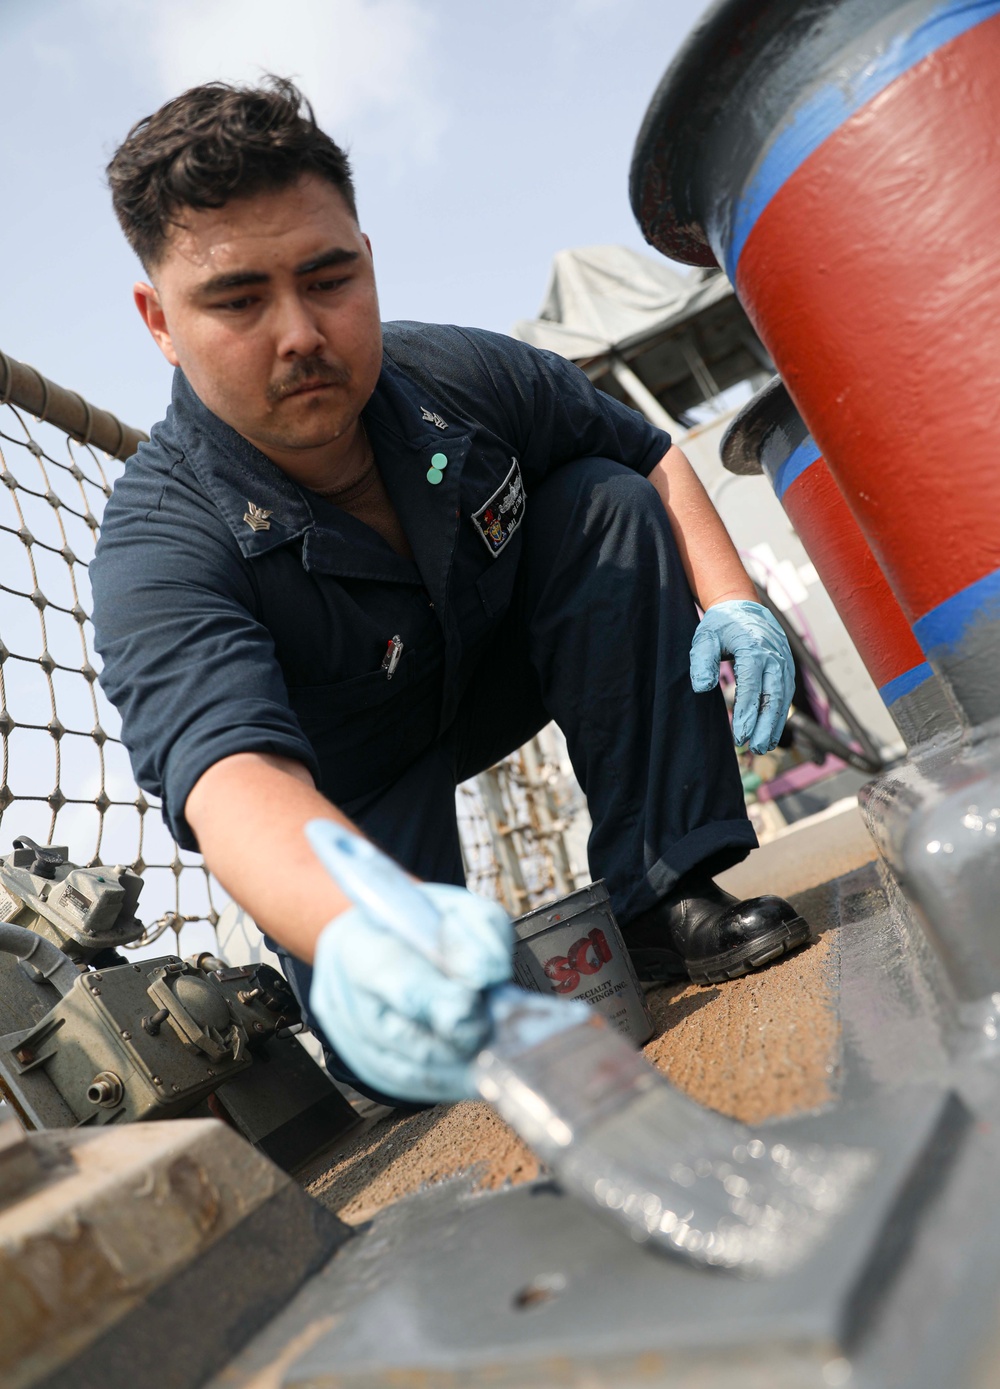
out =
column 609, row 298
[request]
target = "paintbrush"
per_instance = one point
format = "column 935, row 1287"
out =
column 613, row 1131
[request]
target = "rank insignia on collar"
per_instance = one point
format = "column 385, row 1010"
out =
column 256, row 517
column 432, row 417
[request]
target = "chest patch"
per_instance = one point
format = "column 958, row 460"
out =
column 498, row 519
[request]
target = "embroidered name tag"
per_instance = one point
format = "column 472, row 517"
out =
column 497, row 521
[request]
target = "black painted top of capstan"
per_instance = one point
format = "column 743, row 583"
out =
column 720, row 102
column 769, row 422
column 668, row 148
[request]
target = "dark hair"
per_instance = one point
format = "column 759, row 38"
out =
column 213, row 143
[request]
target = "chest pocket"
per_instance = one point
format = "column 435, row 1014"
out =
column 366, row 730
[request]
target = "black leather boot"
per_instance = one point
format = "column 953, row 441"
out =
column 702, row 933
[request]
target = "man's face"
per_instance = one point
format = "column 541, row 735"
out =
column 269, row 306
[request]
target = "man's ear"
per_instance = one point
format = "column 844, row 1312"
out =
column 147, row 301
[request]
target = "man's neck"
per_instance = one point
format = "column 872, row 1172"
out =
column 329, row 465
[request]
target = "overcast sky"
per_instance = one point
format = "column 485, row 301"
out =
column 485, row 137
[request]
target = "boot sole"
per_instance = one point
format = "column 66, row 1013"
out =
column 661, row 966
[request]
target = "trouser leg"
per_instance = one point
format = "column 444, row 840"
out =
column 598, row 638
column 608, row 619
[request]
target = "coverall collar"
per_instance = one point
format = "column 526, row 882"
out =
column 241, row 481
column 407, row 428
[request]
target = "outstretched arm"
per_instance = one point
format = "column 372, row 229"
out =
column 248, row 812
column 406, row 1026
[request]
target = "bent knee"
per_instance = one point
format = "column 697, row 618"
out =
column 599, row 487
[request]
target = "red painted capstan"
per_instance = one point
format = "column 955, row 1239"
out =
column 843, row 163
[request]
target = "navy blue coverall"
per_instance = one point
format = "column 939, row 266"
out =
column 545, row 584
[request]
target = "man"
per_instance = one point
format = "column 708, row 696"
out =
column 355, row 566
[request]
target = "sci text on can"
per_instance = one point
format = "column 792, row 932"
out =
column 573, row 948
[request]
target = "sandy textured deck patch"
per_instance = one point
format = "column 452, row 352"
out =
column 399, row 1155
column 754, row 1048
column 757, row 1047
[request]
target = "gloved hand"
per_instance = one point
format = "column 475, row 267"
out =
column 399, row 1022
column 765, row 672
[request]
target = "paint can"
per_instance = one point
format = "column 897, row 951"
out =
column 573, row 948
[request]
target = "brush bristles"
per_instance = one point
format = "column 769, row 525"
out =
column 618, row 1136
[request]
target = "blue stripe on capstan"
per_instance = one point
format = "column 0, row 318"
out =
column 826, row 110
column 906, row 683
column 793, row 467
column 942, row 630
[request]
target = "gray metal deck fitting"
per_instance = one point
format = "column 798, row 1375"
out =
column 523, row 1287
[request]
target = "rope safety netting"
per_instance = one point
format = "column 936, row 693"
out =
column 66, row 777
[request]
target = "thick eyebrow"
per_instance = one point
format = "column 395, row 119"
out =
column 238, row 279
column 338, row 256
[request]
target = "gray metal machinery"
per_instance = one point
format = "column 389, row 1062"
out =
column 88, row 1037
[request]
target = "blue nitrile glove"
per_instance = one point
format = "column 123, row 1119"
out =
column 765, row 673
column 399, row 1022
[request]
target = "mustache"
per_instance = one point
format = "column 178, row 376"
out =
column 313, row 372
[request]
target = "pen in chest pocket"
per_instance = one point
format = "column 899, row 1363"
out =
column 393, row 651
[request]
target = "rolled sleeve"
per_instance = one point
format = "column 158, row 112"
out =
column 192, row 672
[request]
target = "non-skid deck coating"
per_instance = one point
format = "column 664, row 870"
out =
column 756, row 1048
